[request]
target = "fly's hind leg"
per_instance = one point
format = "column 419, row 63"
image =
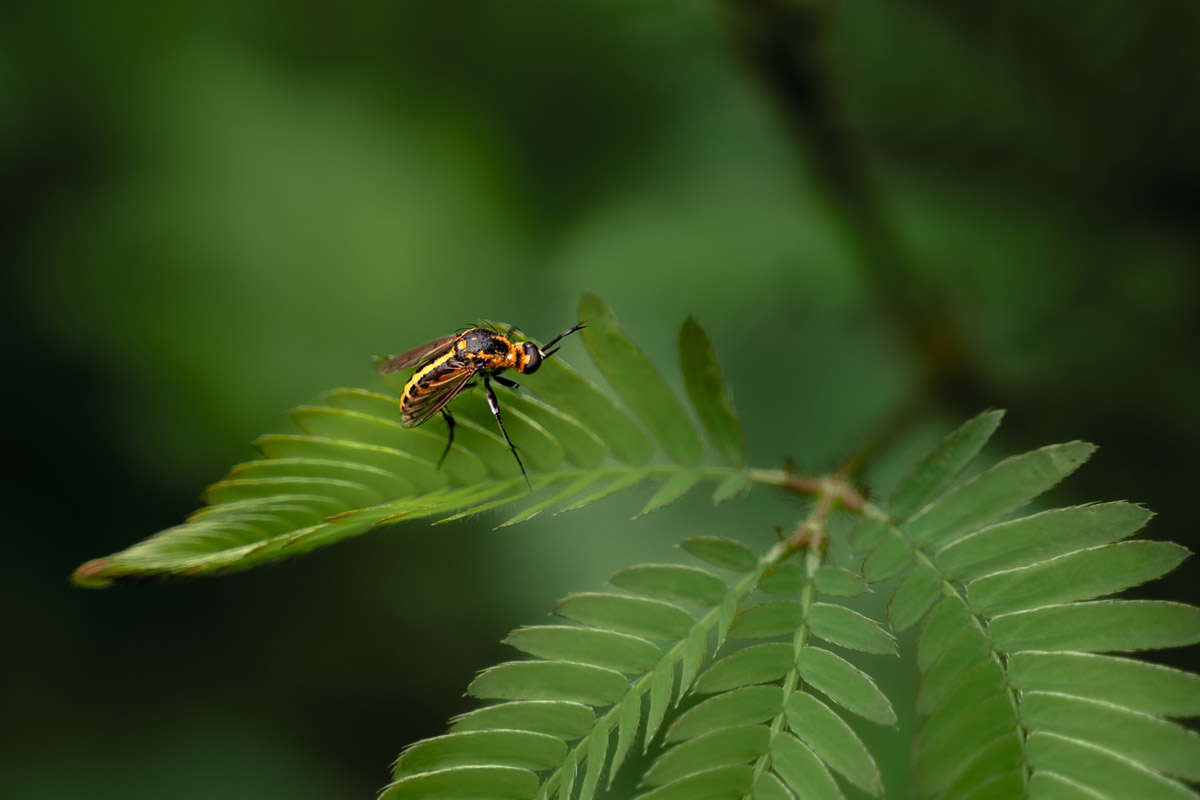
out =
column 450, row 437
column 494, row 404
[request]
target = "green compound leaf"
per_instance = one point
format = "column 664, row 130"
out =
column 707, row 390
column 1016, row 698
column 587, row 682
column 353, row 467
column 638, row 382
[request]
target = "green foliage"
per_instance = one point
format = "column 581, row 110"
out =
column 1018, row 691
column 353, row 468
column 748, row 675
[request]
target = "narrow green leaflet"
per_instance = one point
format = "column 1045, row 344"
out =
column 718, row 748
column 915, row 595
column 1136, row 685
column 707, row 390
column 638, row 382
column 1166, row 747
column 673, row 489
column 549, row 680
column 1007, row 486
column 638, row 616
column 838, row 582
column 787, row 578
column 1100, row 769
column 673, row 583
column 1082, row 575
column 845, row 684
column 745, row 706
column 465, row 783
column 725, row 553
column 833, row 741
column 761, row 663
column 801, row 770
column 1099, row 626
column 525, row 749
column 768, row 620
column 561, row 718
column 1033, row 539
column 722, row 783
column 848, row 628
column 737, row 483
column 602, row 648
column 596, row 754
column 943, row 464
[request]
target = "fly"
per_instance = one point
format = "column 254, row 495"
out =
column 444, row 367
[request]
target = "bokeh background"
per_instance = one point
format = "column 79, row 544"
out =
column 888, row 216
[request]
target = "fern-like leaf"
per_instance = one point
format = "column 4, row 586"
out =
column 352, row 467
column 1020, row 692
column 613, row 669
column 772, row 722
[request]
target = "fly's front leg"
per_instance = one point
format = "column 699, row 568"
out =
column 450, row 438
column 506, row 382
column 495, row 406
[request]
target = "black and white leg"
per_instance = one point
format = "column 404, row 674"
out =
column 495, row 406
column 449, row 438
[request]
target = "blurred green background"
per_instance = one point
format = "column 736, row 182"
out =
column 215, row 211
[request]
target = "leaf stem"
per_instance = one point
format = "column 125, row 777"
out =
column 830, row 489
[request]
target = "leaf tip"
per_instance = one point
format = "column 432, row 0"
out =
column 94, row 574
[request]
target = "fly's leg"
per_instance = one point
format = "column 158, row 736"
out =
column 495, row 406
column 506, row 382
column 450, row 439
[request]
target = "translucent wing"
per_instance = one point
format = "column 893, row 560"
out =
column 417, row 355
column 433, row 395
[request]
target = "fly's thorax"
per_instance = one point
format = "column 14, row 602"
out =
column 488, row 349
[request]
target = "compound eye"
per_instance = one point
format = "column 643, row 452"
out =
column 533, row 357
